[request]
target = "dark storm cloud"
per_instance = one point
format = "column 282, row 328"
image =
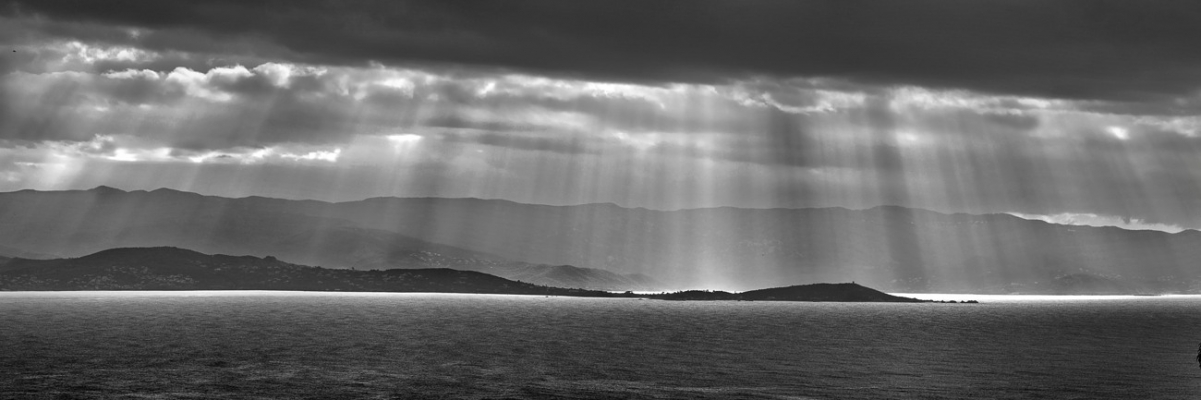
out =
column 1069, row 49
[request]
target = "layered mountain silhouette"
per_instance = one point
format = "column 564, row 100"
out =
column 169, row 268
column 105, row 218
column 893, row 248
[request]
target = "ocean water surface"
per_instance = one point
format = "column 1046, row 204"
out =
column 248, row 344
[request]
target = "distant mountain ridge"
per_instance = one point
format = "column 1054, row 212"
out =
column 169, row 268
column 106, row 218
column 893, row 248
column 9, row 252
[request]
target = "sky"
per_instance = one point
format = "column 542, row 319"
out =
column 1080, row 112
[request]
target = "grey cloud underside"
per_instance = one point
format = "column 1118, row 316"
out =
column 1140, row 51
column 991, row 156
column 265, row 117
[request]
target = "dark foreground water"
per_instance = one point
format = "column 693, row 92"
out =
column 319, row 345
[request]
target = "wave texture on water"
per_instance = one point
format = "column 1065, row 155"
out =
column 344, row 345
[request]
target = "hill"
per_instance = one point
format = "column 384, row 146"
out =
column 892, row 248
column 168, row 268
column 833, row 292
column 825, row 292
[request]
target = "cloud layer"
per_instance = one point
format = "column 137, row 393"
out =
column 1067, row 49
column 1071, row 108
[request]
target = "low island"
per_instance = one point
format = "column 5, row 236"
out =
column 835, row 292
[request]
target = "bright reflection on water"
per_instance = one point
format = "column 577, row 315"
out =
column 1011, row 298
column 354, row 345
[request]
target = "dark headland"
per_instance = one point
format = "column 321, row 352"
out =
column 170, row 268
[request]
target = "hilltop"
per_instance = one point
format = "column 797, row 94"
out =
column 834, row 292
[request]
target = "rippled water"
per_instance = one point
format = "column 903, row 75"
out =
column 326, row 345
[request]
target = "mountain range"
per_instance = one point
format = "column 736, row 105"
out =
column 78, row 223
column 604, row 246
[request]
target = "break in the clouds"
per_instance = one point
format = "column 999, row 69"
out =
column 1034, row 108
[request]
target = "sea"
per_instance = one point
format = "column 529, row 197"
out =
column 317, row 345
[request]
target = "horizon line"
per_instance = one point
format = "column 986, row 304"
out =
column 1013, row 214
